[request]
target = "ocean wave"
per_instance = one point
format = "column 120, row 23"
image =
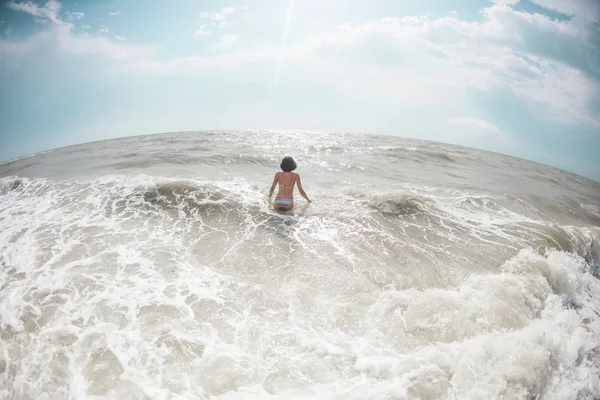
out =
column 243, row 159
column 419, row 154
column 418, row 219
column 175, row 190
column 519, row 318
column 9, row 184
column 591, row 209
column 327, row 149
column 438, row 155
column 25, row 187
column 453, row 205
column 144, row 160
column 190, row 197
column 158, row 198
column 399, row 204
column 473, row 225
column 453, row 215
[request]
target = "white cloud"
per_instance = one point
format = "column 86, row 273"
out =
column 62, row 40
column 584, row 9
column 119, row 38
column 473, row 124
column 61, row 37
column 49, row 11
column 222, row 14
column 225, row 24
column 85, row 26
column 418, row 60
column 228, row 41
column 213, row 15
column 409, row 61
column 114, row 13
column 509, row 49
column 71, row 44
column 72, row 16
column 202, row 31
column 231, row 10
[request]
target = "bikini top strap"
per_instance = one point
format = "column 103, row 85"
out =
column 291, row 182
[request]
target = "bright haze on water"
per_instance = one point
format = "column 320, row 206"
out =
column 155, row 267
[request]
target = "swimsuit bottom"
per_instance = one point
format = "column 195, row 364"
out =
column 284, row 202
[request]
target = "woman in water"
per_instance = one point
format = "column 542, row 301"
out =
column 286, row 179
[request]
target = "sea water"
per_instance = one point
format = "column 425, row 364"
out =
column 155, row 267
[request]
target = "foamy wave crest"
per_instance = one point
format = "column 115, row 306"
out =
column 518, row 327
column 405, row 204
column 9, row 184
column 592, row 209
column 419, row 154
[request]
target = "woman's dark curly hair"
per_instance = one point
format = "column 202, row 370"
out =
column 288, row 164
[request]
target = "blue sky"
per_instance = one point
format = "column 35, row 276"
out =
column 515, row 77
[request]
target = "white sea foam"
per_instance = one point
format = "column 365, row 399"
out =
column 137, row 286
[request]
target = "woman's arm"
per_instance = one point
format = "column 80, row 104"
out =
column 275, row 179
column 302, row 190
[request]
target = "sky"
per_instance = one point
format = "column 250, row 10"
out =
column 514, row 77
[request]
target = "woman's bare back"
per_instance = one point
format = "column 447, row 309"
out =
column 286, row 182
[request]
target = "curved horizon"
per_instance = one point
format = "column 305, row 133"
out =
column 225, row 131
column 471, row 73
